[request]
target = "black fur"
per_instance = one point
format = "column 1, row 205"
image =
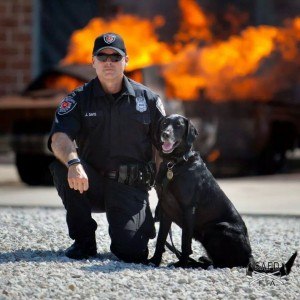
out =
column 195, row 202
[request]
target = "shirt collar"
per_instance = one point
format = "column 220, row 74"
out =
column 98, row 90
column 127, row 87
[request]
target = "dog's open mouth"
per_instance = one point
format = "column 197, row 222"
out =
column 168, row 147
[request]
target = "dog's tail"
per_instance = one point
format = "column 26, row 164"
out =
column 284, row 270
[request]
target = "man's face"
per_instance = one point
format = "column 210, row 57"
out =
column 106, row 67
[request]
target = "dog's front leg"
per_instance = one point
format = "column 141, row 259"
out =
column 164, row 228
column 186, row 237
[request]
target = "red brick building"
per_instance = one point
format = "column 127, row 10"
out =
column 16, row 44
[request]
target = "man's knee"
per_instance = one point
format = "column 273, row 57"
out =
column 130, row 255
column 130, row 247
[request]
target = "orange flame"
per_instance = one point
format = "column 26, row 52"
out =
column 194, row 24
column 63, row 83
column 234, row 69
column 252, row 65
column 141, row 41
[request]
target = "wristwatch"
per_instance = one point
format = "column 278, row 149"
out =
column 73, row 162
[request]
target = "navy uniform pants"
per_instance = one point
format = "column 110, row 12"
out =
column 131, row 224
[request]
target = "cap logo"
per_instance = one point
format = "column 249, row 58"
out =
column 109, row 38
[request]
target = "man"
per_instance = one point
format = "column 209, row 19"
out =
column 102, row 137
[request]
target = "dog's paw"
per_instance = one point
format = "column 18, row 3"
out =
column 154, row 261
column 205, row 262
column 190, row 264
column 179, row 264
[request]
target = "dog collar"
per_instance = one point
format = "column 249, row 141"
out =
column 172, row 163
column 185, row 157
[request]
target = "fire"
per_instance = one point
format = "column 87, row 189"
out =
column 222, row 69
column 235, row 69
column 63, row 83
column 253, row 64
column 141, row 41
column 194, row 24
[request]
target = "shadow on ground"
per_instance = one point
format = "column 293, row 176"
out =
column 107, row 261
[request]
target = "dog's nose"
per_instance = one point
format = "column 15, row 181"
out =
column 166, row 134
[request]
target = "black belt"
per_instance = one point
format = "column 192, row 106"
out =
column 133, row 174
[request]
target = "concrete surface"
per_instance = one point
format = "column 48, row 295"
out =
column 267, row 195
column 275, row 194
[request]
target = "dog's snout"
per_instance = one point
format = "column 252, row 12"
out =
column 166, row 134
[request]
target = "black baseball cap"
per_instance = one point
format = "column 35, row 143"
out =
column 109, row 41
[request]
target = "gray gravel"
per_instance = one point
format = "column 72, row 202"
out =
column 32, row 264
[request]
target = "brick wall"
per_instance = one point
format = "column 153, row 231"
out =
column 15, row 44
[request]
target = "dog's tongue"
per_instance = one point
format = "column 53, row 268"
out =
column 167, row 146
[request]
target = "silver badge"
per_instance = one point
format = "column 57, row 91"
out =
column 141, row 104
column 160, row 106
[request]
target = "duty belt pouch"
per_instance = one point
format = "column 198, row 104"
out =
column 137, row 175
column 122, row 178
column 133, row 174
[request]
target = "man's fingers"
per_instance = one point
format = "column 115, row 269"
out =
column 86, row 185
column 79, row 184
column 71, row 183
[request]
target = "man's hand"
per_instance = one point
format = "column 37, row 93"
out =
column 77, row 178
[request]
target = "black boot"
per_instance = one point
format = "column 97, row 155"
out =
column 82, row 249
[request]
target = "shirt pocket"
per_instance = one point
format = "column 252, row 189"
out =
column 142, row 118
column 141, row 121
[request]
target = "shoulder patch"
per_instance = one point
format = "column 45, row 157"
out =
column 160, row 106
column 66, row 105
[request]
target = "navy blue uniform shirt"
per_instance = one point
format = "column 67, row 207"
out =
column 109, row 130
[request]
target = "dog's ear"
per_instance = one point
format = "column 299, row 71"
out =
column 191, row 133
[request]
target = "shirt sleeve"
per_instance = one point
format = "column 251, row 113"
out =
column 157, row 114
column 67, row 118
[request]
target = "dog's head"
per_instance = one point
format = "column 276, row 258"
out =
column 177, row 135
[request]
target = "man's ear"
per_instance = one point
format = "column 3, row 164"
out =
column 93, row 62
column 191, row 132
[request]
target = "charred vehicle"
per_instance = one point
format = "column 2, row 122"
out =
column 234, row 137
column 238, row 138
column 26, row 120
column 237, row 80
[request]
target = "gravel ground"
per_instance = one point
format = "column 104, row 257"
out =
column 32, row 264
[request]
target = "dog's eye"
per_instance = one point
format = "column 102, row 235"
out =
column 178, row 124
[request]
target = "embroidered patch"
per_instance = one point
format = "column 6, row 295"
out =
column 109, row 38
column 160, row 106
column 66, row 106
column 141, row 104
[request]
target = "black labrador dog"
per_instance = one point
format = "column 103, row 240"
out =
column 190, row 196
